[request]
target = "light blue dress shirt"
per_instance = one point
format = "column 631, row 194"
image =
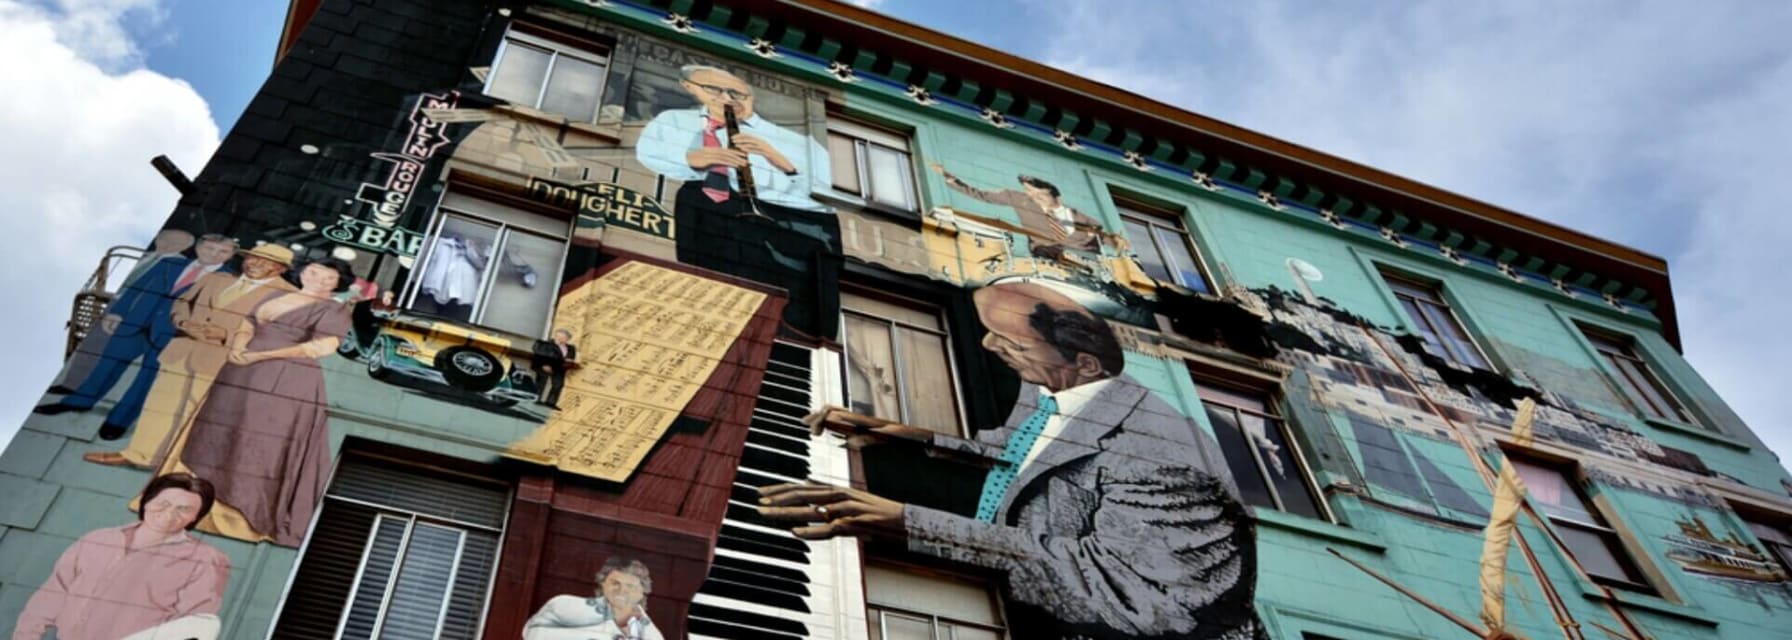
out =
column 676, row 132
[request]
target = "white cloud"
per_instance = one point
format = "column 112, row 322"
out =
column 74, row 169
column 1660, row 125
column 868, row 4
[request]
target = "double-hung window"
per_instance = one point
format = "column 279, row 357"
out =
column 1436, row 325
column 1264, row 459
column 1592, row 542
column 490, row 264
column 1164, row 247
column 557, row 78
column 1636, row 380
column 899, row 362
column 872, row 164
column 903, row 605
column 396, row 553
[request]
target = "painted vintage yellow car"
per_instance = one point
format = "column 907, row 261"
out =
column 467, row 359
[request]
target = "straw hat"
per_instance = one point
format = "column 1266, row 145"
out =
column 273, row 252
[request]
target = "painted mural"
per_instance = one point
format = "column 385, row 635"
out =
column 144, row 580
column 592, row 309
column 1106, row 510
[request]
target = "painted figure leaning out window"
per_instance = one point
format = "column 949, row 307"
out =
column 617, row 612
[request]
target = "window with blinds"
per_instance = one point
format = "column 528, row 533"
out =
column 396, row 554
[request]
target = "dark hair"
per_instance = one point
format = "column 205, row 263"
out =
column 1038, row 183
column 626, row 565
column 345, row 273
column 184, row 482
column 1076, row 331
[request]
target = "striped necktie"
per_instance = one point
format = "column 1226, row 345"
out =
column 995, row 487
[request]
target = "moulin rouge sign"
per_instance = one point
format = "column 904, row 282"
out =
column 388, row 200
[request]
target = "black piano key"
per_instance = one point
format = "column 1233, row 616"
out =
column 747, row 541
column 725, row 631
column 770, row 571
column 774, row 462
column 787, row 445
column 745, row 476
column 727, row 587
column 782, row 394
column 758, row 620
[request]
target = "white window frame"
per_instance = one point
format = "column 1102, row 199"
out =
column 454, row 204
column 945, row 334
column 863, row 137
column 1154, row 218
column 556, row 50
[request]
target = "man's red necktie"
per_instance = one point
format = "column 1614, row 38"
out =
column 715, row 185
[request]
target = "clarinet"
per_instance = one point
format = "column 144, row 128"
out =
column 745, row 172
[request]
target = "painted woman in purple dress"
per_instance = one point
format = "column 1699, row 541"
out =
column 263, row 435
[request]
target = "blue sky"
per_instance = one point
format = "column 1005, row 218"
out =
column 1660, row 125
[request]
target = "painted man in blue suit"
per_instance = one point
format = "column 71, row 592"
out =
column 140, row 323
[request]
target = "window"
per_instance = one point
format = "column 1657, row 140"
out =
column 489, row 264
column 872, row 164
column 536, row 72
column 898, row 363
column 1776, row 538
column 1578, row 523
column 396, row 553
column 1164, row 248
column 1634, row 378
column 1265, row 462
column 902, row 605
column 1431, row 317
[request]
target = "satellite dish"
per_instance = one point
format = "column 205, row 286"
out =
column 1305, row 270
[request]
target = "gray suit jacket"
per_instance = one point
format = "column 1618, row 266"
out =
column 1125, row 526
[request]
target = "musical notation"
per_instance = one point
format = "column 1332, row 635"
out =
column 650, row 337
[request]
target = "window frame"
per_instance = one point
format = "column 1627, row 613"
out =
column 385, row 458
column 556, row 49
column 960, row 409
column 1616, row 543
column 1754, row 519
column 1397, row 283
column 439, row 219
column 874, row 612
column 1156, row 217
column 863, row 135
column 1271, row 398
column 1609, row 346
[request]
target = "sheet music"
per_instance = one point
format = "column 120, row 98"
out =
column 650, row 336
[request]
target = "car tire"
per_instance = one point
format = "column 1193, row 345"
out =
column 470, row 369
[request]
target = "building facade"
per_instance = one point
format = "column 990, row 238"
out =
column 778, row 319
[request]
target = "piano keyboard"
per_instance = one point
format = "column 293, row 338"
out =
column 767, row 584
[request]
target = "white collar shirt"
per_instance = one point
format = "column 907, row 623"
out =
column 1070, row 401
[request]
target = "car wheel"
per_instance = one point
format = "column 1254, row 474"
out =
column 376, row 361
column 469, row 368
